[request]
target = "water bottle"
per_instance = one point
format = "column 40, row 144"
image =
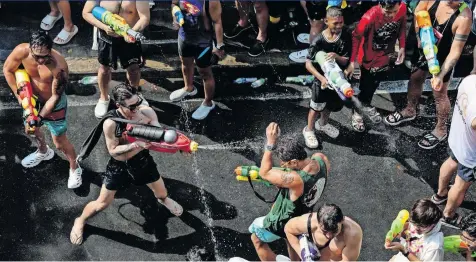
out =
column 258, row 83
column 334, row 75
column 244, row 80
column 88, row 80
column 301, row 79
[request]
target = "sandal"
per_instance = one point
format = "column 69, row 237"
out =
column 439, row 200
column 49, row 21
column 430, row 141
column 64, row 36
column 396, row 118
column 454, row 222
column 76, row 236
column 358, row 123
column 174, row 207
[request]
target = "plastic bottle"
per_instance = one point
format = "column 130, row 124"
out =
column 244, row 80
column 258, row 83
column 309, row 252
column 334, row 74
column 88, row 80
column 301, row 79
column 397, row 225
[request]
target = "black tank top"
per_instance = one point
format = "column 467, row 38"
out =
column 120, row 127
column 444, row 44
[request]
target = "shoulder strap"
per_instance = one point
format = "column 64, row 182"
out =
column 260, row 196
column 309, row 226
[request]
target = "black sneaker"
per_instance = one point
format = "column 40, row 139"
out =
column 236, row 31
column 258, row 48
column 454, row 222
column 439, row 200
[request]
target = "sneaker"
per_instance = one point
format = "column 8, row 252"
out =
column 75, row 180
column 303, row 38
column 258, row 48
column 180, row 94
column 372, row 113
column 202, row 111
column 435, row 198
column 36, row 157
column 310, row 138
column 236, row 31
column 101, row 108
column 299, row 56
column 454, row 222
column 328, row 129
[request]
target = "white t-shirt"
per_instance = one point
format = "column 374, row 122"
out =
column 427, row 247
column 462, row 139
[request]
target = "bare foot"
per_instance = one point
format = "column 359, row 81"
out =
column 76, row 236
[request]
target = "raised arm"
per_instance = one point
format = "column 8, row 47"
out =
column 143, row 10
column 11, row 65
column 296, row 226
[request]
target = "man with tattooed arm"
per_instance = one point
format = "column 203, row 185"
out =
column 452, row 22
column 301, row 181
column 48, row 72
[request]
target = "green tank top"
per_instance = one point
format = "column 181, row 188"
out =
column 284, row 209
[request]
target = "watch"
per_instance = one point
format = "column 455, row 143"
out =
column 221, row 46
column 270, row 148
column 406, row 253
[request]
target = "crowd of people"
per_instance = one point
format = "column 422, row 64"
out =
column 370, row 48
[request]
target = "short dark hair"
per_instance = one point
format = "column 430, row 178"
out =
column 468, row 224
column 387, row 4
column 425, row 213
column 122, row 92
column 289, row 147
column 329, row 216
column 40, row 38
column 334, row 11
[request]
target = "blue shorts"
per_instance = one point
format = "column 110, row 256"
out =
column 464, row 172
column 262, row 233
column 56, row 120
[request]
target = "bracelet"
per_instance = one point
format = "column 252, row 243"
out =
column 407, row 253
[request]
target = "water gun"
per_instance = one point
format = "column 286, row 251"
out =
column 28, row 100
column 428, row 41
column 161, row 139
column 243, row 172
column 334, row 75
column 177, row 13
column 397, row 226
column 309, row 251
column 454, row 244
column 117, row 23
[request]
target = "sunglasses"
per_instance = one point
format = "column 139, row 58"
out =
column 36, row 57
column 133, row 107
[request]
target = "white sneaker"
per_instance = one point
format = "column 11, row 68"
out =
column 299, row 56
column 202, row 111
column 310, row 138
column 36, row 157
column 75, row 180
column 303, row 38
column 101, row 108
column 328, row 129
column 174, row 207
column 180, row 94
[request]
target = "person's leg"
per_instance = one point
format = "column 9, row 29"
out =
column 456, row 196
column 311, row 119
column 447, row 169
column 443, row 107
column 415, row 89
column 133, row 75
column 62, row 144
column 104, row 77
column 262, row 249
column 40, row 141
column 188, row 68
column 55, row 11
column 324, row 118
column 104, row 200
column 262, row 17
column 65, row 9
column 160, row 192
column 243, row 8
column 208, row 83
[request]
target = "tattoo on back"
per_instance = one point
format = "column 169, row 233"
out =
column 460, row 37
column 287, row 178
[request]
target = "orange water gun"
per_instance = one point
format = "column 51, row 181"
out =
column 28, row 100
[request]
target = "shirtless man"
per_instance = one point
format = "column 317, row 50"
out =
column 113, row 46
column 48, row 72
column 129, row 162
column 338, row 238
column 453, row 20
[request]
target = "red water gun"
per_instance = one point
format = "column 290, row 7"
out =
column 161, row 139
column 28, row 100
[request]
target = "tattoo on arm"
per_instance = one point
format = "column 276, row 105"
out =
column 460, row 37
column 60, row 82
column 287, row 178
column 123, row 149
column 447, row 66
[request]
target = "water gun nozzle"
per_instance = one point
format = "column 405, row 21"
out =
column 193, row 146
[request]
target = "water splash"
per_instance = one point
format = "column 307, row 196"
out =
column 237, row 145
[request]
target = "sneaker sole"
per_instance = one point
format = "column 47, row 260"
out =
column 194, row 92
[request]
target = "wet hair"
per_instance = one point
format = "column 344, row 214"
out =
column 468, row 224
column 388, row 4
column 122, row 92
column 329, row 216
column 289, row 147
column 425, row 213
column 334, row 12
column 41, row 38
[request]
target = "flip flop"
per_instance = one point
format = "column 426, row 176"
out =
column 396, row 118
column 76, row 236
column 64, row 36
column 174, row 207
column 431, row 141
column 49, row 21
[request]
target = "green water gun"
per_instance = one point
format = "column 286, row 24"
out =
column 243, row 172
column 397, row 225
column 454, row 244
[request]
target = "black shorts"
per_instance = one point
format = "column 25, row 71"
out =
column 422, row 64
column 202, row 53
column 316, row 9
column 324, row 99
column 139, row 170
column 465, row 173
column 111, row 48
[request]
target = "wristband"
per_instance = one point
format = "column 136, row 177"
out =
column 270, row 148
